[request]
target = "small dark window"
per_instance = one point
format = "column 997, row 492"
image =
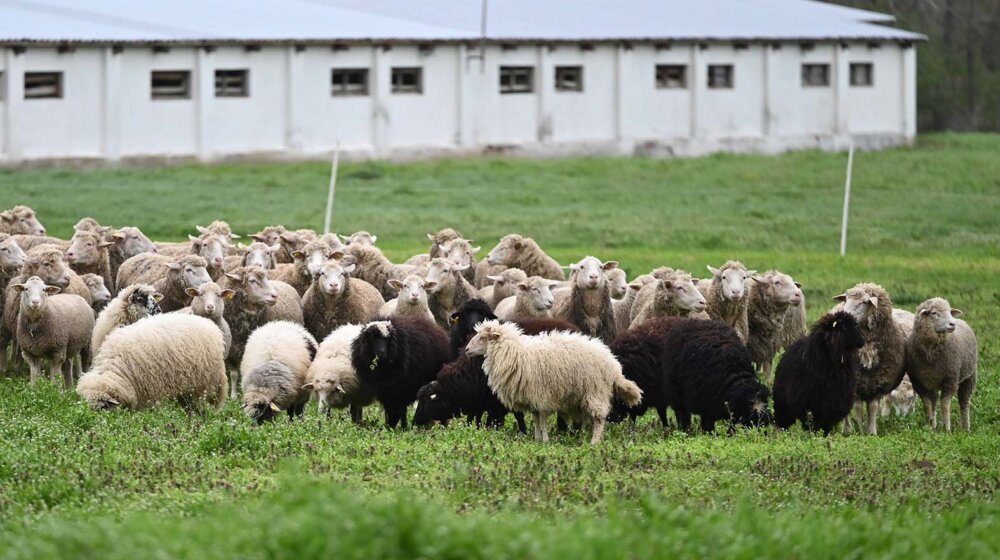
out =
column 171, row 84
column 862, row 74
column 720, row 76
column 815, row 75
column 569, row 78
column 43, row 85
column 517, row 79
column 349, row 81
column 671, row 76
column 232, row 83
column 408, row 80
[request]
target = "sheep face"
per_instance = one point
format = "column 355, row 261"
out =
column 590, row 272
column 315, row 256
column 85, row 248
column 328, row 388
column 505, row 250
column 486, row 333
column 859, row 302
column 209, row 300
column 192, row 271
column 939, row 314
column 360, row 238
column 144, row 301
column 49, row 266
column 732, row 277
column 439, row 270
column 131, row 242
column 679, row 289
column 378, row 342
column 333, row 278
column 259, row 254
column 432, row 406
column 840, row 333
column 90, row 224
column 35, row 294
column 98, row 291
column 780, row 288
column 22, row 220
column 617, row 282
column 211, row 247
column 463, row 322
column 461, row 254
column 539, row 292
column 11, row 255
column 271, row 235
column 255, row 286
column 411, row 290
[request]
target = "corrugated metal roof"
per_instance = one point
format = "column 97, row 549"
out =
column 124, row 21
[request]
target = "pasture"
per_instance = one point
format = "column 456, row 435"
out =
column 925, row 222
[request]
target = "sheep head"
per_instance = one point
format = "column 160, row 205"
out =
column 939, row 315
column 22, row 220
column 731, row 279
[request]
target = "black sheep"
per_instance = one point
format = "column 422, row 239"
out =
column 816, row 380
column 708, row 372
column 640, row 352
column 463, row 324
column 397, row 356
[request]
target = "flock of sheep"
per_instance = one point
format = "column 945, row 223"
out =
column 295, row 316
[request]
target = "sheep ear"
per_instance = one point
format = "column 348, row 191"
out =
column 345, row 238
column 193, row 239
column 523, row 287
column 430, row 285
column 799, row 284
column 175, row 266
column 274, row 248
column 103, row 244
column 374, row 238
column 273, row 407
column 308, row 386
column 193, row 292
column 6, row 216
column 760, row 279
column 956, row 312
column 234, row 276
column 430, row 237
column 349, row 268
column 201, row 229
column 336, row 255
column 554, row 285
column 459, row 268
column 453, row 319
column 635, row 286
column 258, row 237
column 923, row 312
column 518, row 245
column 840, row 298
column 241, row 246
column 474, row 250
column 118, row 235
column 18, row 287
column 227, row 294
column 874, row 301
column 233, row 236
column 750, row 273
column 574, row 267
column 715, row 271
column 497, row 279
column 289, row 237
column 298, row 255
column 610, row 265
column 52, row 290
column 395, row 284
column 157, row 297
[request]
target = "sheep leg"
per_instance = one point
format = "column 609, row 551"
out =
column 683, row 419
column 35, row 365
column 356, row 413
column 598, row 430
column 234, row 379
column 67, row 374
column 3, row 356
column 873, row 417
column 521, row 426
column 930, row 415
column 78, row 362
column 543, row 423
column 661, row 411
column 965, row 390
column 946, row 410
column 766, row 371
column 538, row 425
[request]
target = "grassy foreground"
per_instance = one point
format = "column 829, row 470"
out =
column 925, row 222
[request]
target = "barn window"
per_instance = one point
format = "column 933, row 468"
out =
column 43, row 85
column 232, row 83
column 517, row 79
column 569, row 78
column 408, row 80
column 862, row 74
column 170, row 84
column 720, row 76
column 349, row 81
column 815, row 75
column 671, row 76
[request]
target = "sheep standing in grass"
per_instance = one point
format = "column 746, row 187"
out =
column 253, row 296
column 589, row 304
column 52, row 326
column 674, row 295
column 373, row 267
column 412, row 298
column 99, row 293
column 166, row 357
column 566, row 373
column 816, row 379
column 770, row 296
column 20, row 220
column 726, row 296
column 12, row 258
column 88, row 254
column 131, row 304
column 533, row 299
column 450, row 290
column 275, row 369
column 515, row 251
column 209, row 301
column 335, row 299
column 332, row 377
column 395, row 358
column 942, row 359
column 640, row 351
column 900, row 400
column 504, row 286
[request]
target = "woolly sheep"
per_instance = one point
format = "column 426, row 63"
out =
column 307, row 263
column 21, row 220
column 769, row 297
column 640, row 350
column 726, row 296
column 271, row 235
column 288, row 306
column 127, row 242
column 292, row 241
column 562, row 372
column 373, row 267
column 254, row 254
column 213, row 247
column 617, row 283
column 589, row 304
column 336, row 299
column 274, row 370
column 150, row 268
column 533, row 299
column 942, row 359
column 524, row 253
column 88, row 254
column 131, row 304
column 334, row 380
column 99, row 293
column 52, row 326
column 900, row 400
column 439, row 243
column 450, row 289
column 622, row 308
column 165, row 357
column 504, row 286
column 461, row 253
column 673, row 295
column 412, row 298
column 359, row 238
column 253, row 296
column 209, row 301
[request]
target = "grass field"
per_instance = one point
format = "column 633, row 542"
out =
column 925, row 221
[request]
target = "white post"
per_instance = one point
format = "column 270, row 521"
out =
column 333, row 187
column 847, row 200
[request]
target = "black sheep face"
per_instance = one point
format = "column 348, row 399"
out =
column 378, row 344
column 262, row 411
column 432, row 406
column 752, row 410
column 145, row 299
column 841, row 333
column 463, row 322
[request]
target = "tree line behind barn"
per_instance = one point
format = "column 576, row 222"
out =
column 296, row 315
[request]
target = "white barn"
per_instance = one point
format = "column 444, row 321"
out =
column 117, row 80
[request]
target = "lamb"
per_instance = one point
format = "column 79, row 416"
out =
column 450, row 290
column 127, row 242
column 21, row 220
column 900, row 400
column 52, row 326
column 770, row 296
column 132, row 303
column 373, row 267
column 727, row 296
column 589, row 304
column 942, row 358
column 534, row 299
column 395, row 358
column 88, row 254
column 412, row 299
column 817, row 376
column 567, row 373
column 335, row 299
column 504, row 286
column 209, row 301
column 253, row 296
column 166, row 357
column 332, row 377
column 99, row 293
column 883, row 355
column 275, row 370
column 674, row 295
column 522, row 252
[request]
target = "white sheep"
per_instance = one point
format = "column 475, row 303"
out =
column 373, row 267
column 336, row 299
column 769, row 297
column 450, row 290
column 209, row 301
column 534, row 299
column 521, row 252
column 589, row 303
column 332, row 377
column 274, row 370
column 412, row 298
column 726, row 296
column 675, row 295
column 504, row 286
column 900, row 400
column 132, row 303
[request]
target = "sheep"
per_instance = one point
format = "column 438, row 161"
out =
column 307, row 263
column 639, row 350
column 622, row 308
column 769, row 297
column 127, row 242
column 674, row 295
column 815, row 380
column 253, row 296
column 212, row 247
column 292, row 241
column 727, row 296
column 589, row 304
column 217, row 227
column 52, row 326
column 942, row 359
column 900, row 400
column 450, row 289
column 131, row 304
column 99, row 293
column 335, row 299
column 905, row 320
column 254, row 254
column 166, row 357
column 394, row 358
column 522, row 252
column 534, row 299
column 88, row 254
column 412, row 298
column 438, row 247
column 359, row 238
column 461, row 253
column 209, row 301
column 150, row 268
column 373, row 267
column 504, row 286
column 21, row 220
column 882, row 358
column 332, row 377
column 271, row 235
column 563, row 372
column 12, row 258
column 29, row 242
column 91, row 224
column 274, row 370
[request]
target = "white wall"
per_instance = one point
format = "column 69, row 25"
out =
column 795, row 109
column 587, row 115
column 427, row 119
column 155, row 126
column 875, row 109
column 650, row 113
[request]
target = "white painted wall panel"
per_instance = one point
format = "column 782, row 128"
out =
column 256, row 123
column 155, row 126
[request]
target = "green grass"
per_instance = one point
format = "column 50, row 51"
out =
column 925, row 222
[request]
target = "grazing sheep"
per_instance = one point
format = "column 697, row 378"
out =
column 412, row 299
column 332, row 377
column 20, row 220
column 589, row 304
column 335, row 299
column 534, row 299
column 816, row 378
column 900, row 400
column 253, row 296
column 275, row 369
column 88, row 254
column 395, row 358
column 271, row 235
column 166, row 357
column 99, row 293
column 209, row 301
column 567, row 373
column 942, row 359
column 640, row 351
column 726, row 296
column 132, row 303
column 883, row 355
column 450, row 290
column 515, row 251
column 504, row 286
column 674, row 295
column 373, row 267
column 127, row 242
column 709, row 373
column 52, row 326
column 770, row 296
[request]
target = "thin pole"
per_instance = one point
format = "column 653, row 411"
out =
column 847, row 200
column 333, row 187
